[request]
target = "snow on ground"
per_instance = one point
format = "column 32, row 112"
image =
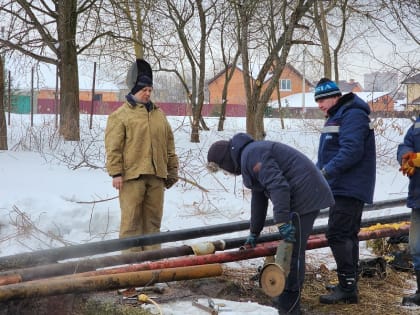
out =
column 47, row 188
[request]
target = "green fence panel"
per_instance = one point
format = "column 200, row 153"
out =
column 21, row 104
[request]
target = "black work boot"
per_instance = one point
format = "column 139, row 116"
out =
column 330, row 287
column 344, row 292
column 413, row 299
column 288, row 303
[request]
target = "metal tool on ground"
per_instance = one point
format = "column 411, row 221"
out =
column 273, row 275
column 156, row 288
column 212, row 308
column 142, row 298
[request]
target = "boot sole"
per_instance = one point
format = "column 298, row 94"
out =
column 407, row 301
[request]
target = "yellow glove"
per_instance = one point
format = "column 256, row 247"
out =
column 413, row 158
column 407, row 169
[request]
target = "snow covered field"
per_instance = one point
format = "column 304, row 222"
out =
column 47, row 187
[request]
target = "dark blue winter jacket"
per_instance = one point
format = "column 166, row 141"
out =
column 412, row 144
column 275, row 171
column 347, row 150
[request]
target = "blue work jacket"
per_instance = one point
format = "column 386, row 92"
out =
column 347, row 151
column 277, row 172
column 412, row 144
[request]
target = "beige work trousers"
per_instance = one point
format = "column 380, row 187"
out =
column 141, row 202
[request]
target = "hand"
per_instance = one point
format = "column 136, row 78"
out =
column 413, row 159
column 251, row 240
column 406, row 169
column 405, row 157
column 287, row 232
column 117, row 182
column 170, row 181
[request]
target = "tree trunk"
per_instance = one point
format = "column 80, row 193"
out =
column 257, row 97
column 222, row 116
column 259, row 133
column 228, row 76
column 321, row 26
column 281, row 112
column 195, row 126
column 67, row 59
column 3, row 125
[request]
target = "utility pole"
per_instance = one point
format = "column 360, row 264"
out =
column 3, row 126
column 303, row 83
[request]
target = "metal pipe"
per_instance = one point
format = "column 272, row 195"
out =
column 319, row 241
column 55, row 254
column 401, row 217
column 268, row 248
column 50, row 287
column 81, row 250
column 385, row 204
column 57, row 269
column 73, row 267
column 194, row 268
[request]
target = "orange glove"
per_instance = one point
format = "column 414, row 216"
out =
column 413, row 158
column 407, row 169
column 406, row 157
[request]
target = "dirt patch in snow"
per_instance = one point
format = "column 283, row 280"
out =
column 377, row 295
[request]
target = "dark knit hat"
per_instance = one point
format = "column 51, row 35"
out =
column 326, row 88
column 219, row 153
column 141, row 82
column 139, row 76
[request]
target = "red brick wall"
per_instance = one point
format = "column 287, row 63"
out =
column 383, row 103
column 47, row 106
column 236, row 90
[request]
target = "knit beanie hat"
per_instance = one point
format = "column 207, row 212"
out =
column 326, row 88
column 219, row 153
column 141, row 82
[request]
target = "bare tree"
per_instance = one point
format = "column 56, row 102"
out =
column 332, row 20
column 229, row 38
column 47, row 31
column 191, row 22
column 129, row 19
column 398, row 24
column 3, row 125
column 406, row 14
column 320, row 19
column 282, row 18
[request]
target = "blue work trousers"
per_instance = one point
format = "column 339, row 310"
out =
column 414, row 237
column 342, row 234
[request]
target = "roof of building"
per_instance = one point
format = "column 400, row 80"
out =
column 346, row 87
column 255, row 70
column 296, row 100
column 412, row 80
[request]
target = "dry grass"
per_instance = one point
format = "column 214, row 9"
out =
column 377, row 296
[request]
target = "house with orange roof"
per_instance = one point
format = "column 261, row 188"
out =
column 291, row 81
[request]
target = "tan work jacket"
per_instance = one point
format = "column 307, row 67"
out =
column 139, row 142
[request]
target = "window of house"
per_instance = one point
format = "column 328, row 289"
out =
column 285, row 85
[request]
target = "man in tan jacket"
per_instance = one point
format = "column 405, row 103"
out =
column 140, row 157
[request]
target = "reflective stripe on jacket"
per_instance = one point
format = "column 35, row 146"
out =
column 347, row 149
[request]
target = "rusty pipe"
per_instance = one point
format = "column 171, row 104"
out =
column 81, row 250
column 50, row 270
column 263, row 249
column 48, row 287
column 73, row 267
